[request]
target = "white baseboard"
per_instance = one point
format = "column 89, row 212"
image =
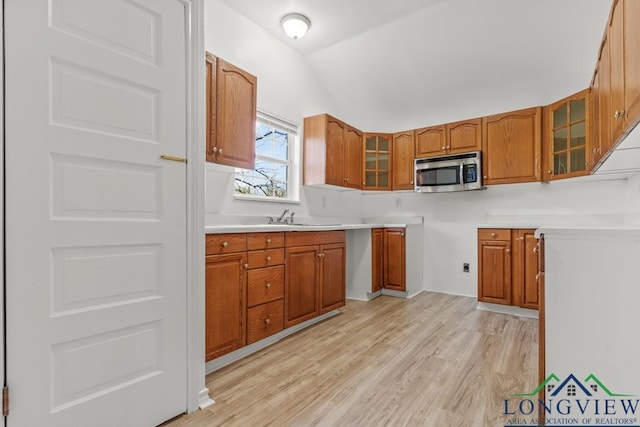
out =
column 234, row 356
column 507, row 309
column 458, row 294
column 204, row 399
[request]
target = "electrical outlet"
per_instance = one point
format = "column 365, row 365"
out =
column 465, row 267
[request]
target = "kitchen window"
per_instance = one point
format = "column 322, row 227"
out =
column 276, row 172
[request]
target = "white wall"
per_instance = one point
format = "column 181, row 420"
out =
column 451, row 219
column 287, row 87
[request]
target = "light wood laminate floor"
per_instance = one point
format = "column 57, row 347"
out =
column 433, row 360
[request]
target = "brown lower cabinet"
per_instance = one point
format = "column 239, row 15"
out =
column 256, row 284
column 508, row 267
column 315, row 281
column 388, row 254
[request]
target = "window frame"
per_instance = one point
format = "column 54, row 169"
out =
column 293, row 161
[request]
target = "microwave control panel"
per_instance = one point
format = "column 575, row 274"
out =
column 470, row 173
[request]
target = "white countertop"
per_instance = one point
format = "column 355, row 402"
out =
column 255, row 228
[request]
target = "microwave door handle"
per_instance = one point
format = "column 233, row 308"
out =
column 461, row 171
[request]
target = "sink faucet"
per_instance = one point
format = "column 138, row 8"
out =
column 280, row 218
column 291, row 217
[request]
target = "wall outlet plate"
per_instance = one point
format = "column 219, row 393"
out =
column 465, row 267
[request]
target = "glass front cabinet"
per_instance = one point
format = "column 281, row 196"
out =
column 567, row 137
column 377, row 161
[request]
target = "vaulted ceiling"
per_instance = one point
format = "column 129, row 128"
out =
column 399, row 64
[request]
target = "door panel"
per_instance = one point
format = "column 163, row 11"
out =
column 333, row 282
column 403, row 160
column 606, row 111
column 631, row 62
column 616, row 46
column 225, row 304
column 431, row 141
column 530, row 295
column 377, row 259
column 335, row 152
column 464, row 136
column 353, row 157
column 394, row 259
column 494, row 272
column 96, row 254
column 301, row 284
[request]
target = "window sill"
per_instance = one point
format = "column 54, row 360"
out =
column 266, row 199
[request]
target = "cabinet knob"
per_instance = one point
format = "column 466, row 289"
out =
column 402, row 234
column 363, row 183
column 267, row 285
column 411, row 182
column 246, row 266
column 549, row 172
column 225, row 244
column 618, row 114
column 219, row 150
column 535, row 249
column 521, row 238
column 268, row 258
column 267, row 321
column 448, row 147
column 268, row 241
column 484, row 177
column 508, row 251
column 444, row 147
column 493, row 234
column 215, row 149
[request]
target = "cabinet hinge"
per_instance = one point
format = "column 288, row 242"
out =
column 5, row 401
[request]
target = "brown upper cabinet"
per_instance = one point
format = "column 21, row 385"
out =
column 631, row 35
column 377, row 161
column 231, row 114
column 616, row 50
column 332, row 152
column 567, row 137
column 402, row 170
column 452, row 138
column 511, row 147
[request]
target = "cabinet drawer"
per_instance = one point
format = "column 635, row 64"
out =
column 268, row 258
column 264, row 320
column 265, row 284
column 217, row 244
column 494, row 234
column 308, row 238
column 256, row 241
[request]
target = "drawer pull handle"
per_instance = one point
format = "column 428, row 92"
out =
column 225, row 244
column 268, row 285
column 267, row 321
column 493, row 234
column 268, row 241
column 268, row 258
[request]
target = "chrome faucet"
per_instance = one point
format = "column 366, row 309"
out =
column 281, row 217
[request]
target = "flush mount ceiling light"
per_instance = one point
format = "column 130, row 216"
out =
column 295, row 25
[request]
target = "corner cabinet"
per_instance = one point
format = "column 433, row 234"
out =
column 567, row 137
column 315, row 277
column 511, row 147
column 231, row 114
column 508, row 267
column 332, row 152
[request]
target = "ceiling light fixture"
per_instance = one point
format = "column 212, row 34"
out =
column 295, row 25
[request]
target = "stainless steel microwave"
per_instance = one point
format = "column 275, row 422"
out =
column 456, row 172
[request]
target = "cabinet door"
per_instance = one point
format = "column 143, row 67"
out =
column 494, row 272
column 394, row 259
column 301, row 284
column 332, row 277
column 403, row 160
column 335, row 152
column 595, row 151
column 377, row 161
column 512, row 147
column 236, row 116
column 569, row 139
column 604, row 97
column 631, row 62
column 353, row 157
column 210, row 73
column 616, row 46
column 464, row 136
column 431, row 141
column 525, row 269
column 225, row 304
column 377, row 259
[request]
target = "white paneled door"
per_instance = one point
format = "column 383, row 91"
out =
column 96, row 220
